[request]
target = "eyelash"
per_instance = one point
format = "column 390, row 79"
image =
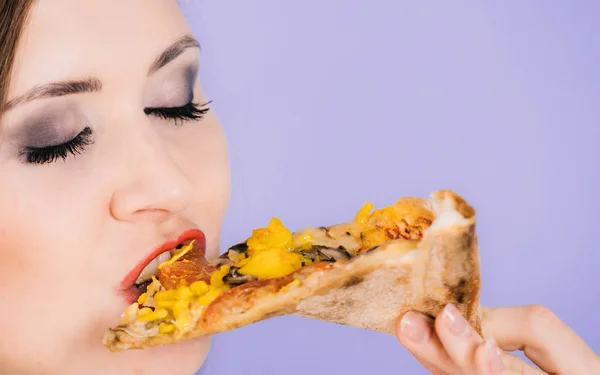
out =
column 50, row 154
column 188, row 112
column 78, row 145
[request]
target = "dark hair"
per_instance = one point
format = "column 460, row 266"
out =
column 13, row 15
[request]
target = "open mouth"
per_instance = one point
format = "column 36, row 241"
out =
column 191, row 244
column 151, row 270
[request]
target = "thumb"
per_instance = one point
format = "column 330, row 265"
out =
column 542, row 336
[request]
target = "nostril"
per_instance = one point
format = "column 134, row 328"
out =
column 153, row 189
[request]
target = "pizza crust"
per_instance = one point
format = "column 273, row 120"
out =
column 370, row 291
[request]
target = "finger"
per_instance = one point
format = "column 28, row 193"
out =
column 430, row 367
column 458, row 338
column 415, row 332
column 516, row 366
column 542, row 336
column 490, row 360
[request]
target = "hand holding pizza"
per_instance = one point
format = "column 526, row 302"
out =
column 449, row 346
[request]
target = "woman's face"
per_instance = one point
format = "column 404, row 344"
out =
column 95, row 173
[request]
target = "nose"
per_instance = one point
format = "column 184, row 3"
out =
column 154, row 186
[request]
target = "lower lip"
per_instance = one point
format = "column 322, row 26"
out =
column 128, row 289
column 130, row 295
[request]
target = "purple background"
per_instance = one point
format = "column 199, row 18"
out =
column 327, row 104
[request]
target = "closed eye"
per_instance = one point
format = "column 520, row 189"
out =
column 50, row 154
column 189, row 112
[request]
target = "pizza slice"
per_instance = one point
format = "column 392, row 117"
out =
column 417, row 254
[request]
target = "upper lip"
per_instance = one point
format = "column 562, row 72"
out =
column 193, row 234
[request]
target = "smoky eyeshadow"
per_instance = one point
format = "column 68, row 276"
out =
column 190, row 78
column 191, row 75
column 49, row 128
column 178, row 91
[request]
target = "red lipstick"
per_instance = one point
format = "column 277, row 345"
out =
column 195, row 235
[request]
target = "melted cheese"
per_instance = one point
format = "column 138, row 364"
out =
column 373, row 227
column 270, row 250
column 172, row 307
column 364, row 214
column 270, row 254
column 271, row 263
column 274, row 236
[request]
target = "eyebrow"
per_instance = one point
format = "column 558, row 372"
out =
column 89, row 85
column 55, row 89
column 173, row 51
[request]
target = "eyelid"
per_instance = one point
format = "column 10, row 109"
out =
column 49, row 123
column 49, row 154
column 55, row 139
column 175, row 97
column 174, row 89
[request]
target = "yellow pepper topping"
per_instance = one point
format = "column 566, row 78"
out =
column 142, row 298
column 275, row 235
column 270, row 252
column 179, row 307
column 216, row 278
column 271, row 263
column 166, row 328
column 208, row 297
column 174, row 304
column 183, row 292
column 154, row 315
column 162, row 304
column 199, row 287
column 236, row 258
column 363, row 215
column 177, row 300
column 165, row 295
column 144, row 311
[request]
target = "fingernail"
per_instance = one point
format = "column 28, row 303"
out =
column 415, row 328
column 493, row 354
column 454, row 320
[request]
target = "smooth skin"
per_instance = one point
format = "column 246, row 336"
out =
column 70, row 230
column 448, row 345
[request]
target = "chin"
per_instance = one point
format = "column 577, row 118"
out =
column 184, row 358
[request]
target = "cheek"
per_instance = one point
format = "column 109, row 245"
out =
column 56, row 291
column 43, row 238
column 204, row 159
column 42, row 231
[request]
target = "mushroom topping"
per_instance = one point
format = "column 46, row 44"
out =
column 235, row 278
column 314, row 253
column 327, row 254
column 231, row 255
column 239, row 248
column 223, row 260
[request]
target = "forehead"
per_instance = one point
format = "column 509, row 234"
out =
column 109, row 39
